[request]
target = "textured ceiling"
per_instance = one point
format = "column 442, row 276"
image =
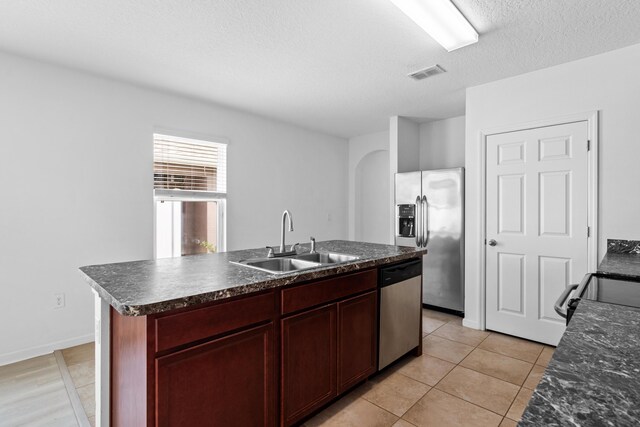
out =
column 332, row 65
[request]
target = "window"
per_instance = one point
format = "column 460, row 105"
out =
column 190, row 191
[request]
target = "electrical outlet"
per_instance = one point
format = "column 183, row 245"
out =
column 58, row 300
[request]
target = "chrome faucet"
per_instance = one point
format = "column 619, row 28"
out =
column 313, row 244
column 286, row 214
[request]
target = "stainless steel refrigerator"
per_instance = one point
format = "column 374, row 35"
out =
column 429, row 213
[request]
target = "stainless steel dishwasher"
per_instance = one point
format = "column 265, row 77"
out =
column 400, row 310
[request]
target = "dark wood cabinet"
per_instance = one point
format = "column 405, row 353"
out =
column 225, row 382
column 326, row 350
column 308, row 362
column 264, row 359
column 357, row 339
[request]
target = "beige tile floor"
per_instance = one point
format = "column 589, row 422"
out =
column 464, row 378
column 81, row 363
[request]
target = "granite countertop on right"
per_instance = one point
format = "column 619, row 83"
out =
column 621, row 260
column 593, row 378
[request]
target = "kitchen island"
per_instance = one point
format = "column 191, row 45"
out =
column 200, row 340
column 593, row 378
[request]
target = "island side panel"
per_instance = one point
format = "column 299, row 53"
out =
column 131, row 377
column 102, row 315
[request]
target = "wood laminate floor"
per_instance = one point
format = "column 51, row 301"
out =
column 32, row 393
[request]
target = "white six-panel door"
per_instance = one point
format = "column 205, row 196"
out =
column 536, row 227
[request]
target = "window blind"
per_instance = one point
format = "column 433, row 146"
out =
column 188, row 164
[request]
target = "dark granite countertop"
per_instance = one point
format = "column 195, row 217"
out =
column 621, row 260
column 623, row 265
column 146, row 287
column 593, row 378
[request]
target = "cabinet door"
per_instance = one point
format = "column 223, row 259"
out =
column 357, row 336
column 308, row 362
column 226, row 382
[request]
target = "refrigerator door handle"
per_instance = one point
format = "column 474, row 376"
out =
column 425, row 219
column 418, row 219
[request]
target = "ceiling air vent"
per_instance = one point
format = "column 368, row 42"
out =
column 427, row 72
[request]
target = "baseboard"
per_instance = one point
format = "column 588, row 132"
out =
column 20, row 355
column 470, row 324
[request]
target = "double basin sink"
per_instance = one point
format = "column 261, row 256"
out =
column 296, row 262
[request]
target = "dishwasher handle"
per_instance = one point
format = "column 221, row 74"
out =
column 400, row 272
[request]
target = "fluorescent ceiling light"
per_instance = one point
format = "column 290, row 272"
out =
column 441, row 20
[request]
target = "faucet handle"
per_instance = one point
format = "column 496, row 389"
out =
column 293, row 247
column 313, row 244
column 270, row 254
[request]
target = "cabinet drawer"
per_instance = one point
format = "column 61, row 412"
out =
column 188, row 326
column 304, row 296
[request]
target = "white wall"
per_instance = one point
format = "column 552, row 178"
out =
column 76, row 167
column 608, row 83
column 442, row 144
column 408, row 144
column 368, row 194
column 372, row 190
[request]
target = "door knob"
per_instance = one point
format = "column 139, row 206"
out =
column 492, row 242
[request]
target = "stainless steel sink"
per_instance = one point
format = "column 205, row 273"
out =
column 327, row 258
column 278, row 265
column 296, row 263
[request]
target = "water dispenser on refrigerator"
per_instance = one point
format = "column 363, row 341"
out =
column 406, row 221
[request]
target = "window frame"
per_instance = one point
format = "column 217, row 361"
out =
column 177, row 195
